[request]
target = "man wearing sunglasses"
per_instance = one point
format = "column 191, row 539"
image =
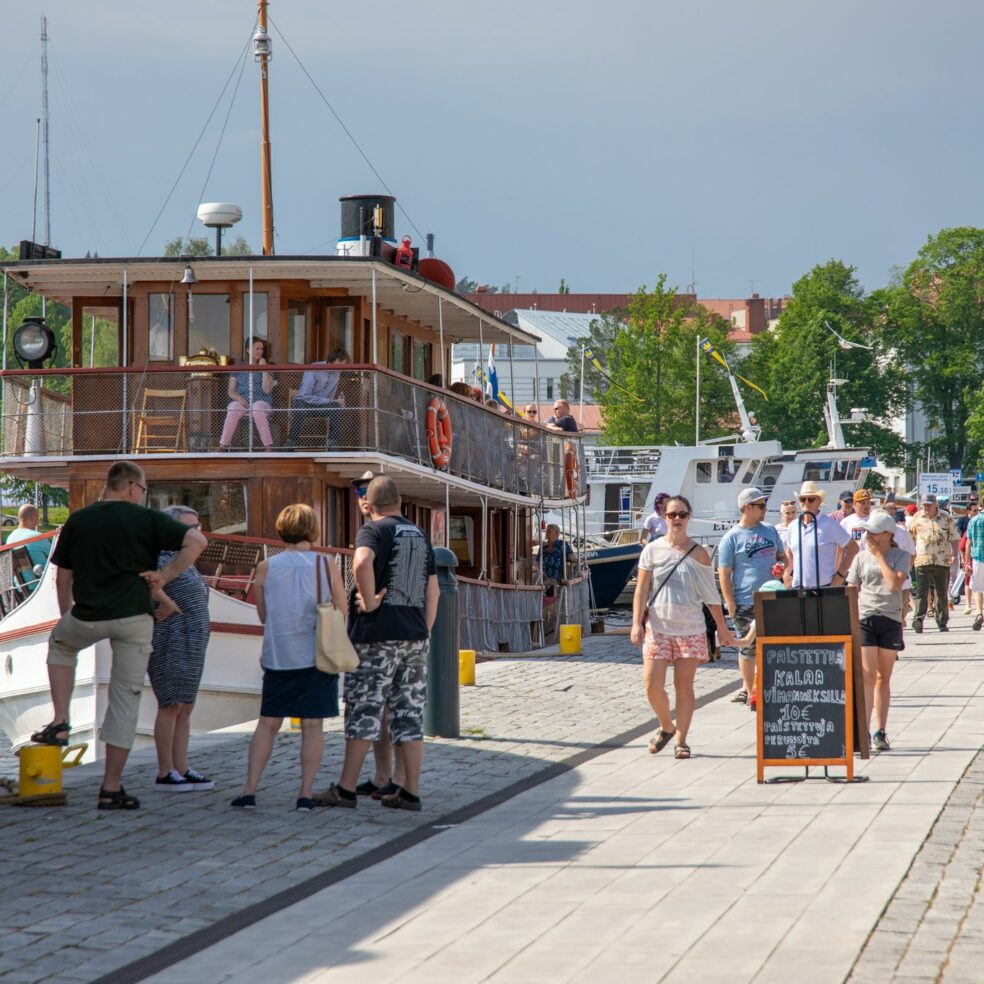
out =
column 746, row 556
column 820, row 549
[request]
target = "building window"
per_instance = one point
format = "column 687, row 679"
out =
column 259, row 316
column 160, row 343
column 297, row 332
column 208, row 323
column 549, row 383
column 221, row 506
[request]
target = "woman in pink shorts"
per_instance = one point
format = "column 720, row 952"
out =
column 675, row 580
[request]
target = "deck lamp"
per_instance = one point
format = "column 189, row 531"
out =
column 34, row 343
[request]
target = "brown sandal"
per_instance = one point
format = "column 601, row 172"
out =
column 660, row 740
column 682, row 751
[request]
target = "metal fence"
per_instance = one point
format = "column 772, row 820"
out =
column 195, row 410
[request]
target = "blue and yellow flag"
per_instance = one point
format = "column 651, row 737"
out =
column 707, row 346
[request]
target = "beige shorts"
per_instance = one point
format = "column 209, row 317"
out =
column 130, row 639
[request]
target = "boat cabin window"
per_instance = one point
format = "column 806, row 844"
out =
column 208, row 323
column 421, row 359
column 260, row 320
column 221, row 506
column 753, row 467
column 160, row 344
column 340, row 322
column 817, row 471
column 100, row 336
column 847, row 471
column 727, row 469
column 704, row 471
column 398, row 351
column 770, row 474
column 296, row 332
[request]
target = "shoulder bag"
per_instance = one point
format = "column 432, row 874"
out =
column 652, row 597
column 333, row 651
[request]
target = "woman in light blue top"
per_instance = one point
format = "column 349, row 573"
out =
column 293, row 686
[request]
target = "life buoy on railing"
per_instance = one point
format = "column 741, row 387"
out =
column 439, row 436
column 570, row 473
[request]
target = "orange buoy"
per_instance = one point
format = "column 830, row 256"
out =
column 570, row 474
column 439, row 436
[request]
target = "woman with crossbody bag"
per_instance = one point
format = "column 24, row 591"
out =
column 675, row 580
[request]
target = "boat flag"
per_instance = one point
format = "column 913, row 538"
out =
column 707, row 346
column 493, row 380
column 593, row 359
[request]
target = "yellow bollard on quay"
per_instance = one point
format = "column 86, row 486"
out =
column 466, row 667
column 41, row 768
column 569, row 637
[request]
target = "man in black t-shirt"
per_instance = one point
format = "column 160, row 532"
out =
column 389, row 625
column 561, row 419
column 106, row 555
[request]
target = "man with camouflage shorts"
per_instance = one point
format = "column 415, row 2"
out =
column 395, row 606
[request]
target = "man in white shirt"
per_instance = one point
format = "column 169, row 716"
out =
column 862, row 510
column 817, row 545
column 27, row 529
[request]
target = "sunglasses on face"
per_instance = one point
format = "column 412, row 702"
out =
column 790, row 502
column 676, row 515
column 757, row 505
column 810, row 498
column 361, row 492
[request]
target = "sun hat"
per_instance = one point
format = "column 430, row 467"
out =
column 811, row 488
column 878, row 522
column 929, row 499
column 748, row 496
column 862, row 495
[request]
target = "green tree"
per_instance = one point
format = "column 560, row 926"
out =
column 237, row 247
column 652, row 363
column 933, row 319
column 794, row 363
column 599, row 340
column 196, row 246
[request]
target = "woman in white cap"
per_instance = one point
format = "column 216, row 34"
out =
column 820, row 550
column 879, row 570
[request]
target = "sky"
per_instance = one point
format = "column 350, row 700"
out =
column 734, row 145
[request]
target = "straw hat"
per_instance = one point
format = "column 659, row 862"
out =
column 811, row 488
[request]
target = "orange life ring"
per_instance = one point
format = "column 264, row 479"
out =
column 570, row 474
column 439, row 436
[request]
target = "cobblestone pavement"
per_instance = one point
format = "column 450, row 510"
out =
column 933, row 929
column 99, row 890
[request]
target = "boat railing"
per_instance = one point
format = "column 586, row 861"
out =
column 189, row 410
column 621, row 462
column 499, row 617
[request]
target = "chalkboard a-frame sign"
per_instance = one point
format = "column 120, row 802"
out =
column 805, row 710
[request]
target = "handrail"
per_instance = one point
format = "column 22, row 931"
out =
column 34, row 539
column 496, row 584
column 270, row 542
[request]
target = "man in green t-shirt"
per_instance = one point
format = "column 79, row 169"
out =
column 106, row 555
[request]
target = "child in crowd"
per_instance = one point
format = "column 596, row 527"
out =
column 880, row 570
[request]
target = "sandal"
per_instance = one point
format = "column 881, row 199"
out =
column 48, row 735
column 741, row 697
column 660, row 740
column 682, row 751
column 120, row 799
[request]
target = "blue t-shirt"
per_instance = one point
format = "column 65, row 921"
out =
column 751, row 555
column 975, row 537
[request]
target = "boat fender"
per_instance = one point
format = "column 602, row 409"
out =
column 439, row 436
column 570, row 473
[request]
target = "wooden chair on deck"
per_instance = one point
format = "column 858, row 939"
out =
column 237, row 572
column 161, row 421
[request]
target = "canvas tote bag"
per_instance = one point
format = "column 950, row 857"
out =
column 333, row 652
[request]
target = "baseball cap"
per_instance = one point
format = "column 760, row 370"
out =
column 911, row 510
column 364, row 479
column 845, row 496
column 862, row 495
column 878, row 522
column 751, row 495
column 929, row 499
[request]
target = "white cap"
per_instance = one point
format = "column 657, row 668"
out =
column 751, row 495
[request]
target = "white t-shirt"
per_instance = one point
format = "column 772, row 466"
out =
column 906, row 543
column 851, row 524
column 677, row 609
column 655, row 524
column 829, row 535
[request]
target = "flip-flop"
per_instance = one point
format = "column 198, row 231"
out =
column 660, row 740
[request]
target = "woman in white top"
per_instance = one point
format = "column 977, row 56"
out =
column 286, row 602
column 675, row 581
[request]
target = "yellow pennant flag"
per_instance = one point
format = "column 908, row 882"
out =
column 707, row 346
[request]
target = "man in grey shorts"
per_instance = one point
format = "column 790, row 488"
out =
column 746, row 556
column 389, row 625
column 106, row 557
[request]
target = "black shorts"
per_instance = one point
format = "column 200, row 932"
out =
column 883, row 632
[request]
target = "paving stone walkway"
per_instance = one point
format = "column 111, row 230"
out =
column 100, row 890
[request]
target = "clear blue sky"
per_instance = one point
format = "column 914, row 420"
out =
column 602, row 143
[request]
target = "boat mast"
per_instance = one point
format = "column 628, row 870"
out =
column 44, row 129
column 262, row 53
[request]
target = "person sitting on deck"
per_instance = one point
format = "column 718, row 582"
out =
column 552, row 556
column 250, row 395
column 318, row 398
column 27, row 529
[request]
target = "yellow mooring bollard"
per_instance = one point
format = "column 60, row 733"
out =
column 294, row 725
column 466, row 667
column 569, row 637
column 41, row 768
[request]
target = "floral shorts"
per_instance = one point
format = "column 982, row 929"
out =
column 672, row 648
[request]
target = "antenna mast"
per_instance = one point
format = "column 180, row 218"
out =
column 44, row 129
column 262, row 53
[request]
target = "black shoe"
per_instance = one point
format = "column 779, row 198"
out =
column 917, row 625
column 305, row 804
column 244, row 802
column 944, row 627
column 978, row 622
column 197, row 781
column 120, row 799
column 173, row 783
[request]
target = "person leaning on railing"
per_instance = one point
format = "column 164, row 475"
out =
column 249, row 393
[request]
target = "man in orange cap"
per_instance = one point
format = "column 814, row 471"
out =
column 856, row 520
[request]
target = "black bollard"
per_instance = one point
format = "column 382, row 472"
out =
column 441, row 716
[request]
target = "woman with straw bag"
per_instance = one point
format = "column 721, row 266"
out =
column 293, row 686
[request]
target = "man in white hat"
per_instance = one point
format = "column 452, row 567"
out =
column 819, row 547
column 746, row 556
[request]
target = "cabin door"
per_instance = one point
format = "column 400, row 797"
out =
column 337, row 329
